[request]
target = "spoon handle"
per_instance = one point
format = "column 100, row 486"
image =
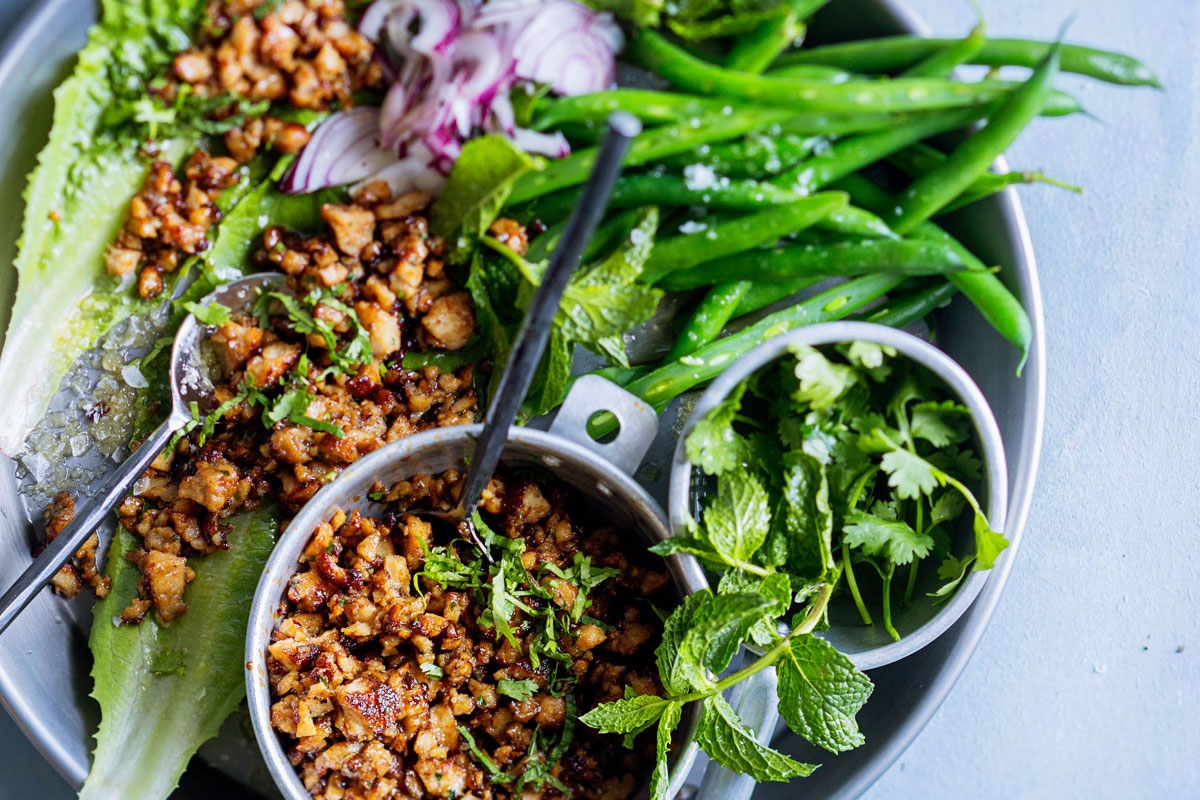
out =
column 86, row 520
column 535, row 330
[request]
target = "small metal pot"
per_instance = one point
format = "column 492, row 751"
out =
column 921, row 622
column 600, row 471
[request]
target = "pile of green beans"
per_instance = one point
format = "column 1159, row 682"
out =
column 756, row 161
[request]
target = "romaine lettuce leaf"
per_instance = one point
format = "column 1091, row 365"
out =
column 162, row 690
column 75, row 204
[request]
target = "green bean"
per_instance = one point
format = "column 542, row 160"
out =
column 754, row 51
column 761, row 295
column 995, row 302
column 725, row 236
column 676, row 190
column 921, row 158
column 899, row 52
column 607, row 233
column 648, row 105
column 708, row 320
column 906, row 94
column 856, row 222
column 904, row 310
column 752, row 157
column 937, row 188
column 651, row 145
column 853, row 153
column 675, row 377
column 815, row 72
column 902, row 257
column 942, row 62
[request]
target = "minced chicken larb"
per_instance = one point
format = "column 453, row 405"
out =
column 393, row 678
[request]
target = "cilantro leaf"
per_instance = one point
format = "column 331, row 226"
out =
column 820, row 691
column 909, row 474
column 713, row 445
column 732, row 745
column 947, row 507
column 628, row 715
column 517, row 690
column 894, row 540
column 211, row 313
column 939, row 424
column 822, row 381
column 952, row 570
column 660, row 779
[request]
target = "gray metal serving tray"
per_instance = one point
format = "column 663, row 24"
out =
column 44, row 661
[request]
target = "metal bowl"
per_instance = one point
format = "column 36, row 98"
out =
column 921, row 621
column 44, row 661
column 566, row 452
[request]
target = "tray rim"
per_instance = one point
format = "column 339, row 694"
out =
column 40, row 20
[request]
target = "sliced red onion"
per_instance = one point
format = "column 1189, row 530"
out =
column 343, row 149
column 553, row 145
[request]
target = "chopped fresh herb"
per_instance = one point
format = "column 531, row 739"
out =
column 211, row 313
column 517, row 690
column 433, row 670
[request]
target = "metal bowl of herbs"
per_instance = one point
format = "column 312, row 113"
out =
column 853, row 455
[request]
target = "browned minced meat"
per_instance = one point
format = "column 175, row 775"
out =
column 377, row 250
column 81, row 569
column 169, row 218
column 303, row 52
column 359, row 716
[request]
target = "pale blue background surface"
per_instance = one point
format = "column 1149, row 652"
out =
column 1087, row 682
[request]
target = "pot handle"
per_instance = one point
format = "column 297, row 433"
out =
column 638, row 423
column 754, row 700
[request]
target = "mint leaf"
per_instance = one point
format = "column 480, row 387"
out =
column 820, row 691
column 809, row 518
column 660, row 779
column 822, row 381
column 702, row 635
column 776, row 587
column 517, row 690
column 891, row 539
column 736, row 523
column 734, row 746
column 480, row 181
column 211, row 313
column 713, row 445
column 628, row 715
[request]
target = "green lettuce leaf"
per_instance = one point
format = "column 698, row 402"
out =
column 164, row 690
column 75, row 204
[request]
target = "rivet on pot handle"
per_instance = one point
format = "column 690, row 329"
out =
column 755, row 701
column 592, row 394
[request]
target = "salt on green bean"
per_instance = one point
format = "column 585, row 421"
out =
column 1002, row 310
column 855, row 152
column 854, row 257
column 708, row 320
column 937, row 188
column 905, row 94
column 720, row 237
column 754, row 156
column 893, row 53
column 673, row 378
column 651, row 145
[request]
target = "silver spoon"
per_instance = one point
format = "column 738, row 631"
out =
column 535, row 330
column 189, row 384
